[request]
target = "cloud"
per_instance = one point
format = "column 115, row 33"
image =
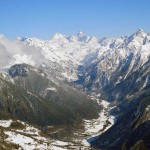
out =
column 4, row 56
column 12, row 52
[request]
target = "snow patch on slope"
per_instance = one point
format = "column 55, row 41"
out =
column 19, row 59
column 97, row 126
column 5, row 123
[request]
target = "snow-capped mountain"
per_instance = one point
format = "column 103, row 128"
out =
column 62, row 48
column 131, row 52
column 66, row 52
column 90, row 62
column 70, row 55
column 113, row 69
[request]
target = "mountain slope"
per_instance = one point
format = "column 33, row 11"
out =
column 114, row 61
column 40, row 99
column 131, row 129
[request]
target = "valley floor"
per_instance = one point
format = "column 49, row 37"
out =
column 28, row 137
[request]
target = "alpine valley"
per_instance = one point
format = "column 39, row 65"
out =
column 75, row 92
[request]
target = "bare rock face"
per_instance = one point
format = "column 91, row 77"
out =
column 19, row 70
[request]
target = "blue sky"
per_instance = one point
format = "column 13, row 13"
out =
column 43, row 18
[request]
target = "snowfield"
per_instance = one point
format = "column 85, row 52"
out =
column 5, row 123
column 96, row 126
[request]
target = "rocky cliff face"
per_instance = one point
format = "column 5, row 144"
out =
column 19, row 70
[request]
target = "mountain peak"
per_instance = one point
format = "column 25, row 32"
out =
column 22, row 39
column 82, row 37
column 140, row 32
column 57, row 36
column 80, row 34
column 139, row 35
